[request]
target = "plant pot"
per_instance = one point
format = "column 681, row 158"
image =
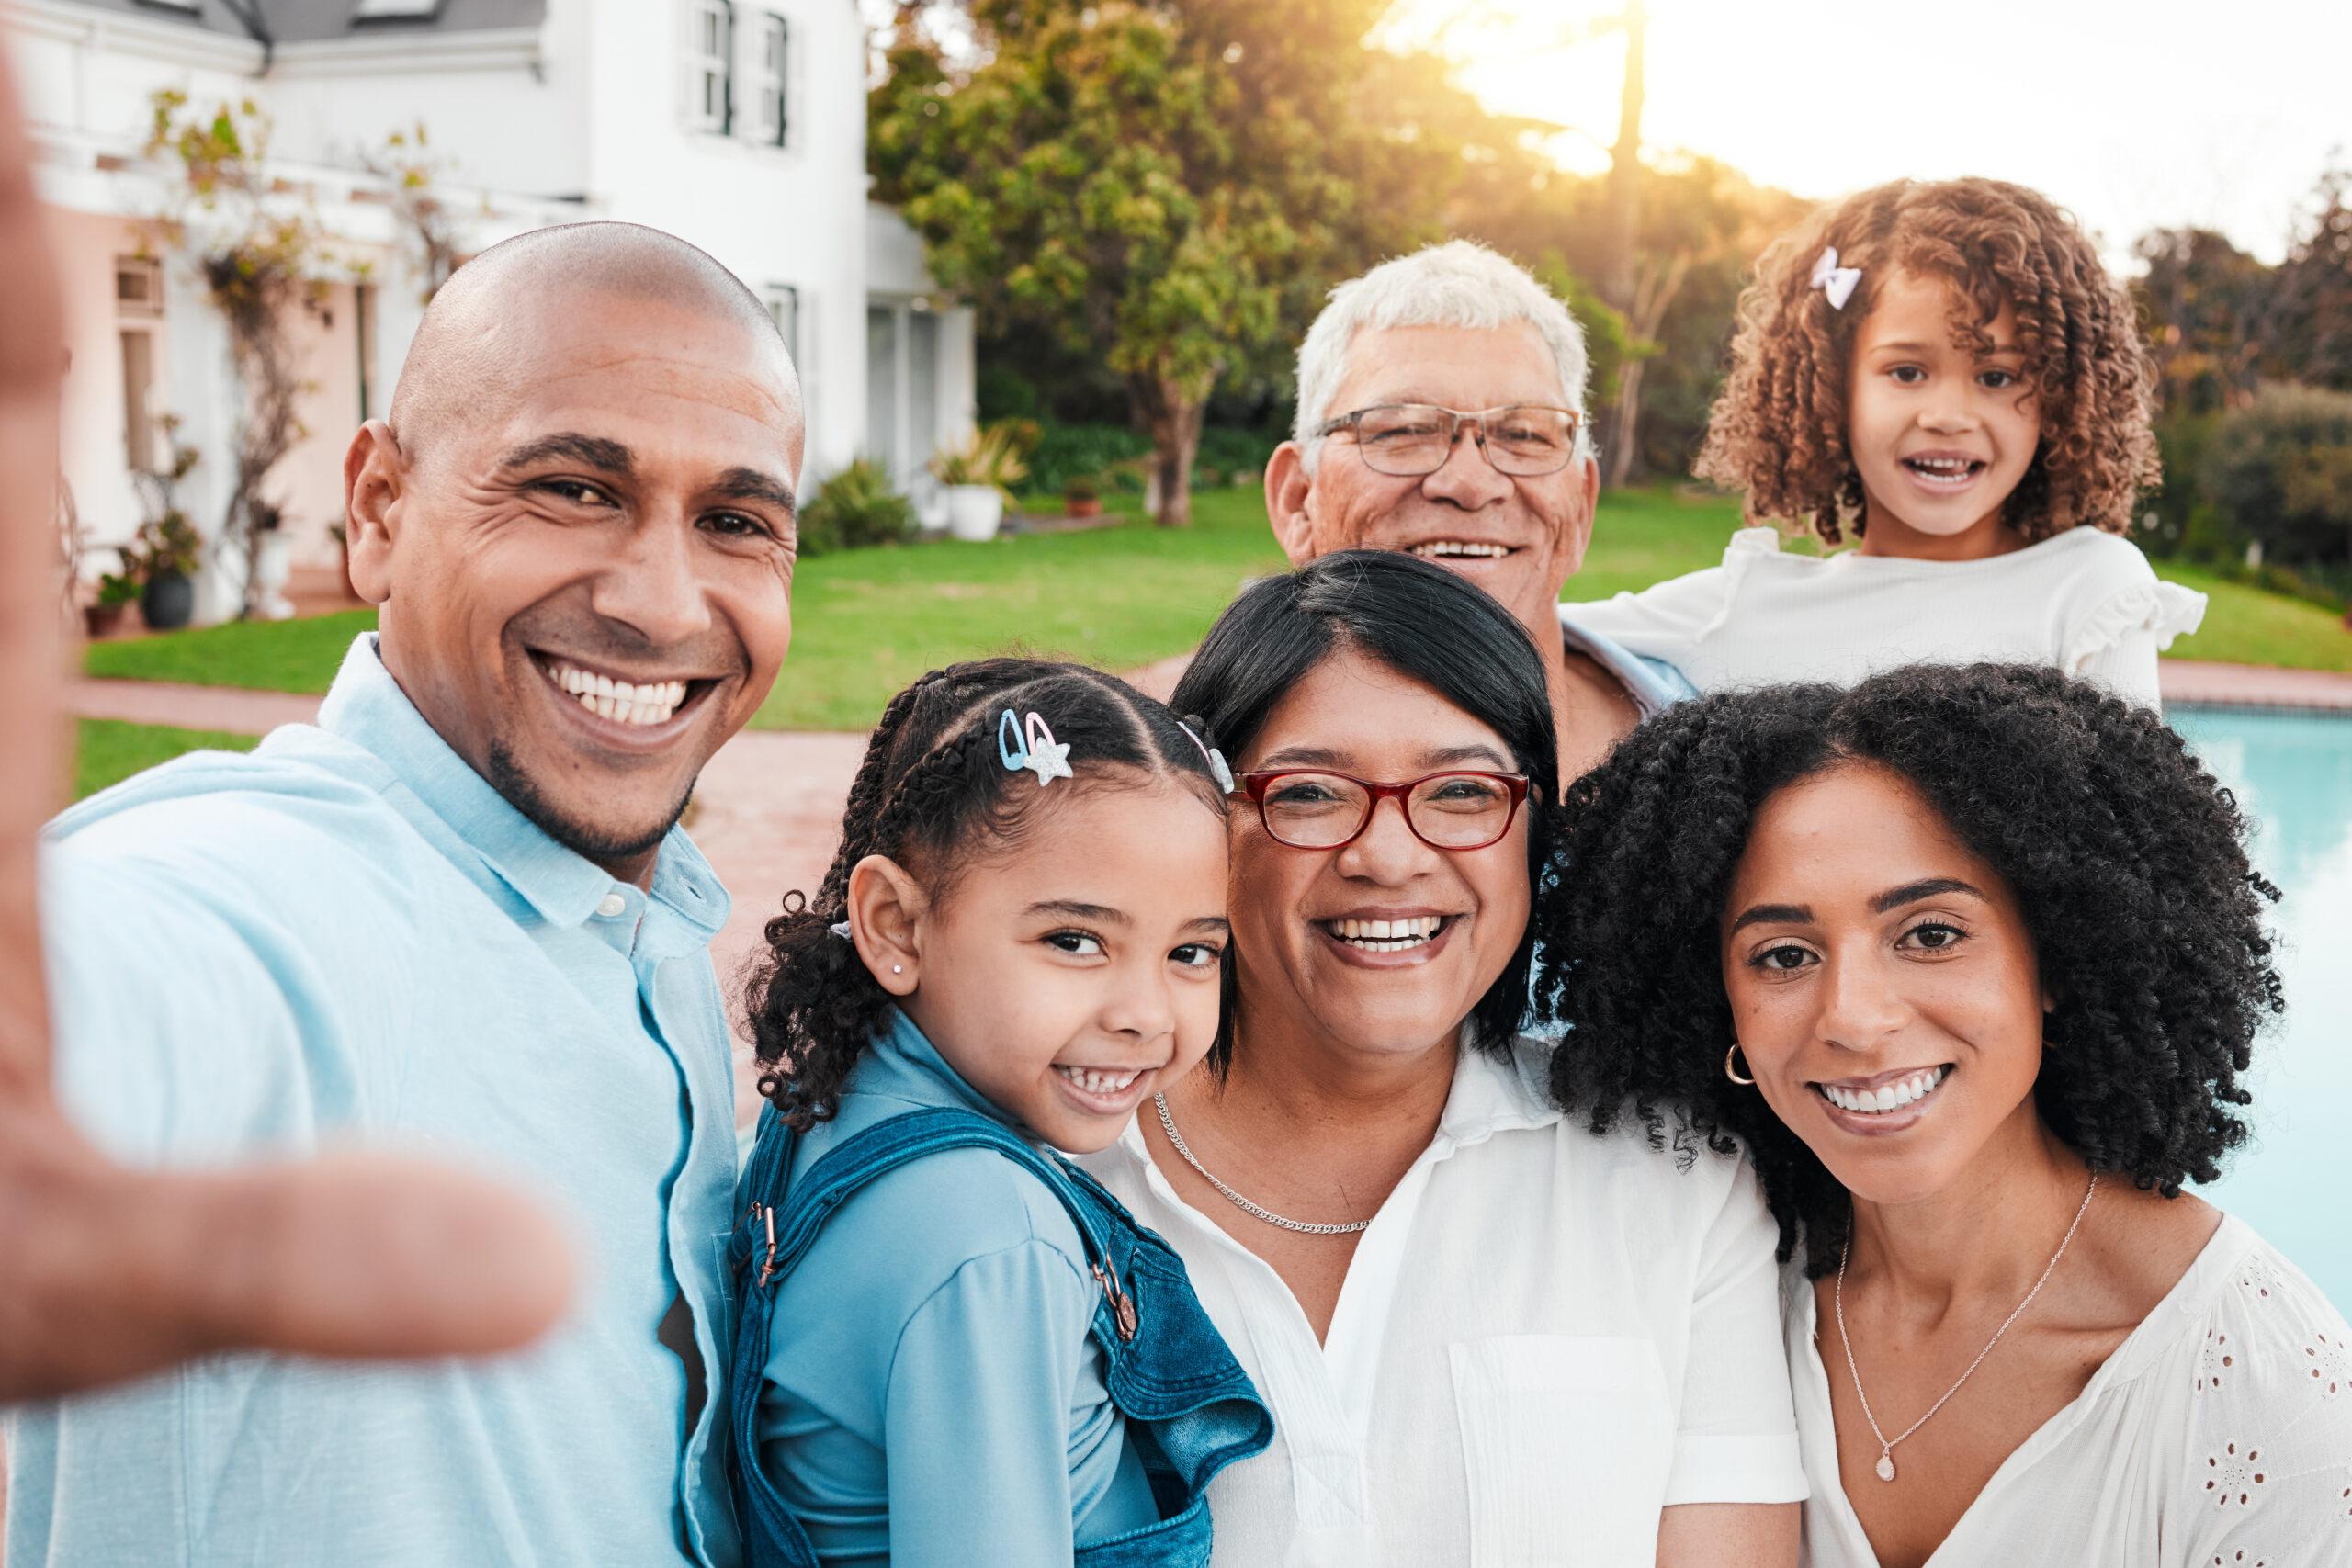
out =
column 1092, row 507
column 273, row 564
column 167, row 600
column 974, row 511
column 103, row 620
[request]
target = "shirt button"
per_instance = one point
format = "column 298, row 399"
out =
column 610, row 905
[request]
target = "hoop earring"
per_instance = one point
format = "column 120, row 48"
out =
column 1729, row 1072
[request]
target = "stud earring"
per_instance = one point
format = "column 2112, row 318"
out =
column 898, row 968
column 1732, row 1073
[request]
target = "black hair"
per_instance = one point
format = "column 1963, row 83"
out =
column 2126, row 857
column 1422, row 622
column 933, row 793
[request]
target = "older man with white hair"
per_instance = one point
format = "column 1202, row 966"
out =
column 1459, row 381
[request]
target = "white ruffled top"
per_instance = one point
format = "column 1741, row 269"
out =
column 2084, row 601
column 2220, row 1432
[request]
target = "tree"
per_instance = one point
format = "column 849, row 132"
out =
column 1166, row 185
column 257, row 251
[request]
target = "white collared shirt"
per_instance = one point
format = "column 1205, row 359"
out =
column 1543, row 1338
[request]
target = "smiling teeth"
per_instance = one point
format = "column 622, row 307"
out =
column 1387, row 936
column 1097, row 1080
column 1459, row 548
column 1885, row 1097
column 652, row 703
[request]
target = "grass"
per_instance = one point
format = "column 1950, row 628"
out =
column 108, row 751
column 865, row 622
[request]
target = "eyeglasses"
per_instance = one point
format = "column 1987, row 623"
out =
column 1408, row 439
column 1315, row 809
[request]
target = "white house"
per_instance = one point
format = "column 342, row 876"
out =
column 737, row 124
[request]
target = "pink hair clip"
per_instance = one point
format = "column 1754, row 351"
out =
column 1031, row 746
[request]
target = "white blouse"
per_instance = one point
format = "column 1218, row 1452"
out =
column 1543, row 1338
column 2084, row 601
column 2218, row 1431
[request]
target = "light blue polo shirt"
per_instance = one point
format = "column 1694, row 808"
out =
column 350, row 935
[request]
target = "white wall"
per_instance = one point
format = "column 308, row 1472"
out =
column 790, row 215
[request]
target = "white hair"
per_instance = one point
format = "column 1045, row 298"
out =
column 1458, row 284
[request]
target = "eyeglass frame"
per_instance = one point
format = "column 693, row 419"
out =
column 1455, row 418
column 1254, row 784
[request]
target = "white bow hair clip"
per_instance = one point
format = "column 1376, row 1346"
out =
column 1031, row 746
column 1835, row 283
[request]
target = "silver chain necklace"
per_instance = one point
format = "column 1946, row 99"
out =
column 1176, row 1141
column 1885, row 1466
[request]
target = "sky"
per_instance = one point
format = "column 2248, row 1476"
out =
column 2135, row 116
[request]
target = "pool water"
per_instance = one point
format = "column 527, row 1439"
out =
column 2293, row 1182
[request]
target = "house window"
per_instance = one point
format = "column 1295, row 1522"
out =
column 784, row 305
column 138, row 286
column 770, row 123
column 710, row 51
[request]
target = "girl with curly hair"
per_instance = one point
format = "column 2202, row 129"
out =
column 954, row 1347
column 1970, row 962
column 1945, row 372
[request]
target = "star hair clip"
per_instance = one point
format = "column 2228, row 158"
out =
column 1031, row 745
column 1837, row 283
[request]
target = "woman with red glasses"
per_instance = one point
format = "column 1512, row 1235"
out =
column 1488, row 1334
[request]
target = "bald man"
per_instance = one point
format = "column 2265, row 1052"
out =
column 457, row 915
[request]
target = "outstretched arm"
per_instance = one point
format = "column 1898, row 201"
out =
column 104, row 1272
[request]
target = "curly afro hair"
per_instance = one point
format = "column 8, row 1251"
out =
column 933, row 795
column 2125, row 855
column 1777, row 431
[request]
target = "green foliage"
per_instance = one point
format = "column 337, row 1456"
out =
column 118, row 587
column 2282, row 469
column 1224, row 453
column 858, row 507
column 1092, row 182
column 990, row 456
column 1065, row 451
column 166, row 545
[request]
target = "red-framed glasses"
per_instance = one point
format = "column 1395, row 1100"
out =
column 1315, row 808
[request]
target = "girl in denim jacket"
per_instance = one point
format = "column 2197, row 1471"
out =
column 953, row 1348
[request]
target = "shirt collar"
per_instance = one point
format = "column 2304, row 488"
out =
column 903, row 1064
column 366, row 707
column 1654, row 684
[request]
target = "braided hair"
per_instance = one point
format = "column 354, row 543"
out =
column 2127, row 858
column 932, row 793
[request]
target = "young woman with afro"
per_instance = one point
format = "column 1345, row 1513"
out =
column 1945, row 374
column 1971, row 961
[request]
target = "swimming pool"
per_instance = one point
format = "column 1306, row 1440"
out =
column 2293, row 1182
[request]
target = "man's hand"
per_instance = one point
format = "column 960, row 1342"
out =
column 106, row 1273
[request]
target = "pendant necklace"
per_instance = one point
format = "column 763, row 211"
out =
column 1885, row 1466
column 1176, row 1142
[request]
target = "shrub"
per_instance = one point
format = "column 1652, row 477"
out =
column 1224, row 455
column 857, row 507
column 1065, row 451
column 989, row 457
column 2280, row 468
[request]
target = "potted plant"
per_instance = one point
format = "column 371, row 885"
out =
column 273, row 559
column 169, row 550
column 975, row 476
column 1082, row 497
column 118, row 590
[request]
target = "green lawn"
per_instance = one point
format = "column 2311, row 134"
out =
column 107, row 751
column 865, row 622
